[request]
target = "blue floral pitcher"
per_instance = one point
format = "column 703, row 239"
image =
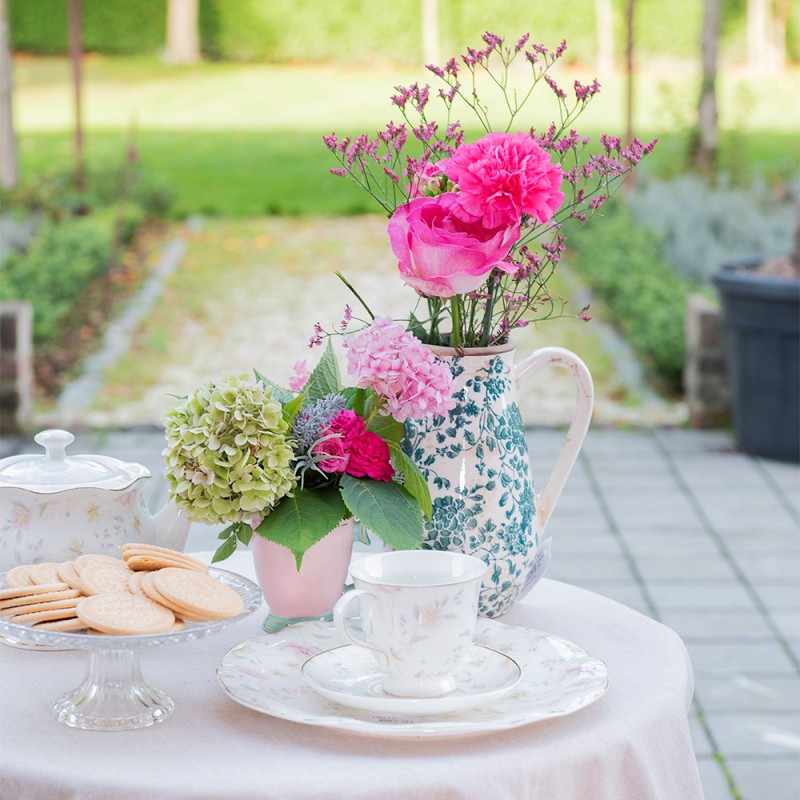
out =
column 476, row 463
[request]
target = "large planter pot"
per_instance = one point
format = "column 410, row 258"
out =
column 761, row 329
column 475, row 461
column 308, row 593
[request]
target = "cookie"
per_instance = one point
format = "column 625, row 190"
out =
column 26, row 601
column 135, row 583
column 67, row 573
column 197, row 594
column 13, row 592
column 95, row 558
column 20, row 576
column 102, row 578
column 148, row 556
column 124, row 614
column 44, row 573
column 44, row 616
column 69, row 625
column 45, row 605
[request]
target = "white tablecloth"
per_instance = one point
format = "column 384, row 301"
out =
column 632, row 744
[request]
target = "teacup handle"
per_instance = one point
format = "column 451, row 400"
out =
column 340, row 621
column 559, row 357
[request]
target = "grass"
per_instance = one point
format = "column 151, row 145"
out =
column 244, row 141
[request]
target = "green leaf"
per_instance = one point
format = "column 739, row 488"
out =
column 227, row 548
column 324, row 380
column 416, row 328
column 301, row 521
column 388, row 428
column 292, row 407
column 414, row 484
column 386, row 509
column 355, row 399
column 280, row 394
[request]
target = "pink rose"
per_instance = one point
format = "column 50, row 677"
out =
column 442, row 255
column 337, row 456
column 349, row 426
column 502, row 176
column 369, row 457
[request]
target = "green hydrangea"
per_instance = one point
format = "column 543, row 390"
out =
column 228, row 455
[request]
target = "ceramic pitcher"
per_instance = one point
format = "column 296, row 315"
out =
column 476, row 463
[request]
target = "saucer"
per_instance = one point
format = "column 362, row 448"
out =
column 558, row 678
column 350, row 676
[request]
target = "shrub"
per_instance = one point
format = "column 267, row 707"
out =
column 702, row 227
column 622, row 264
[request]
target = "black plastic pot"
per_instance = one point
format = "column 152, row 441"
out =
column 761, row 325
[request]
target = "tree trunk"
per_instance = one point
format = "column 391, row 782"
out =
column 705, row 155
column 605, row 36
column 430, row 31
column 76, row 56
column 9, row 166
column 183, row 40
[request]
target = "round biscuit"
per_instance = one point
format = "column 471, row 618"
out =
column 137, row 549
column 44, row 616
column 45, row 573
column 8, row 606
column 197, row 593
column 20, row 576
column 67, row 573
column 45, row 605
column 137, row 562
column 99, row 578
column 25, row 591
column 95, row 558
column 69, row 625
column 135, row 583
column 124, row 614
column 179, row 610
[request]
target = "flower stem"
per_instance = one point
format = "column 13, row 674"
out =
column 358, row 296
column 455, row 316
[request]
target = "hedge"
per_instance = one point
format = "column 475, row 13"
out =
column 621, row 262
column 362, row 31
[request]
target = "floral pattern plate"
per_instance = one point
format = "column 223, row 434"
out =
column 350, row 675
column 558, row 678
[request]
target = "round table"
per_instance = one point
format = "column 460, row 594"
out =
column 633, row 742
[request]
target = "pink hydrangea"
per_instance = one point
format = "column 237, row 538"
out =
column 300, row 376
column 502, row 176
column 387, row 358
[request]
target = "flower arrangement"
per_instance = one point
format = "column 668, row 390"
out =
column 293, row 463
column 477, row 227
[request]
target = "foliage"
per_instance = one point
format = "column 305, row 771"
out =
column 622, row 264
column 702, row 227
column 352, row 31
column 108, row 26
column 63, row 259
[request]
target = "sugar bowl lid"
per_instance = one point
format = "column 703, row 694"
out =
column 55, row 471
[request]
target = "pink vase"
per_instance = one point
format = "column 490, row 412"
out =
column 294, row 596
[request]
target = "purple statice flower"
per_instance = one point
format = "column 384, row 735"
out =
column 315, row 418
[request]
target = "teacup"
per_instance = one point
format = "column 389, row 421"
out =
column 418, row 611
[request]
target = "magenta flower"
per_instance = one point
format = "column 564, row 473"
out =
column 335, row 456
column 370, row 458
column 440, row 253
column 502, row 176
column 390, row 360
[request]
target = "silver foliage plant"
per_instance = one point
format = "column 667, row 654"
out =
column 704, row 226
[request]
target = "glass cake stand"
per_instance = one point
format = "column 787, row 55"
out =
column 113, row 695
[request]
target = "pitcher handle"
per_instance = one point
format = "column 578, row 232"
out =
column 559, row 357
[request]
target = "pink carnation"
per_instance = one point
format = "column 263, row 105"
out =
column 387, row 358
column 502, row 176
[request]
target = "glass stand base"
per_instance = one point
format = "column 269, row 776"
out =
column 113, row 696
column 275, row 624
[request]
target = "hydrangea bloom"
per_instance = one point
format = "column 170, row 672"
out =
column 387, row 358
column 503, row 176
column 228, row 458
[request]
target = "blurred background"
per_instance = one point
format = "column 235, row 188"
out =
column 127, row 127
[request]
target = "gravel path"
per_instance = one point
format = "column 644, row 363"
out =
column 260, row 310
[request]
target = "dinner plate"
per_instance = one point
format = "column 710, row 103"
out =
column 349, row 675
column 558, row 678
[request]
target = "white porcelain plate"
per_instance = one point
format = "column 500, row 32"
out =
column 558, row 678
column 350, row 676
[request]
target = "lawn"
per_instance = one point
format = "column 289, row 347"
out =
column 244, row 141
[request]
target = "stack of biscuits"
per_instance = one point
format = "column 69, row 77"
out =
column 149, row 590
